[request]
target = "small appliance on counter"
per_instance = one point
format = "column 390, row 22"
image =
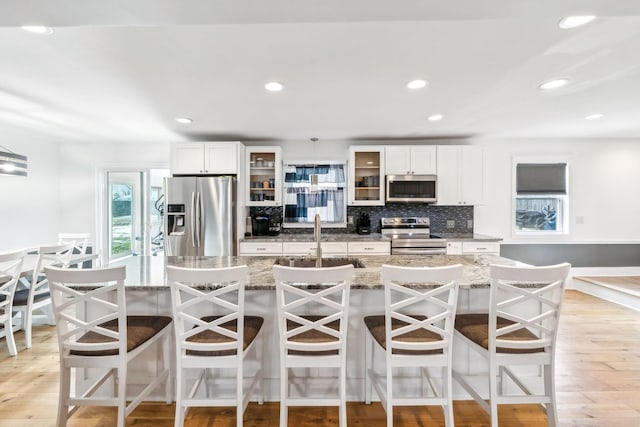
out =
column 260, row 225
column 364, row 224
column 274, row 227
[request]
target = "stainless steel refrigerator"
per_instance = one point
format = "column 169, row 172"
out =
column 199, row 216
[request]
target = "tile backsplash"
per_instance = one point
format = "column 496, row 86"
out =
column 462, row 217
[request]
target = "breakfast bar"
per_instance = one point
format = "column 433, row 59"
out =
column 147, row 293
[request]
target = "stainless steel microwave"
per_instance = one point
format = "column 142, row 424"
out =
column 411, row 188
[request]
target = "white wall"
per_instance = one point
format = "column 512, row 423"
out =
column 29, row 206
column 80, row 176
column 604, row 188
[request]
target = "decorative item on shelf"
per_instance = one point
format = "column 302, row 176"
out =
column 12, row 163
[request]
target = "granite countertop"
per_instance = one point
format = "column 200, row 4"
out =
column 373, row 237
column 326, row 237
column 147, row 272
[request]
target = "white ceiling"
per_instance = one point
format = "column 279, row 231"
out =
column 122, row 71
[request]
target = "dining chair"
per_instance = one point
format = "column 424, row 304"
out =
column 519, row 330
column 213, row 333
column 10, row 270
column 312, row 309
column 415, row 331
column 32, row 293
column 81, row 241
column 96, row 331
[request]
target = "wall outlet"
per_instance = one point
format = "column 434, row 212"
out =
column 350, row 219
column 451, row 223
column 469, row 224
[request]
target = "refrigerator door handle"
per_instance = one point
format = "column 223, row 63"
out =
column 198, row 211
column 193, row 218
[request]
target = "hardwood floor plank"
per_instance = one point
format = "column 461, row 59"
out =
column 598, row 383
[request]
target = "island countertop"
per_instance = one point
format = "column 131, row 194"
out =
column 148, row 272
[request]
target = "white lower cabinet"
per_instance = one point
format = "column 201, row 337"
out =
column 369, row 248
column 329, row 249
column 481, row 248
column 454, row 248
column 309, row 248
column 472, row 247
column 260, row 248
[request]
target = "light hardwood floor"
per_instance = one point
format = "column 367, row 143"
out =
column 598, row 384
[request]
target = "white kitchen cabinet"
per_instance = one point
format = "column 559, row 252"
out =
column 263, row 176
column 410, row 160
column 473, row 247
column 460, row 171
column 454, row 248
column 366, row 180
column 260, row 248
column 309, row 248
column 369, row 248
column 204, row 158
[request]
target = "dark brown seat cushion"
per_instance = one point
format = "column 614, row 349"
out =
column 313, row 336
column 252, row 325
column 20, row 297
column 139, row 330
column 376, row 325
column 476, row 328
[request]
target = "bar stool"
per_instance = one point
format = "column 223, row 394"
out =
column 520, row 329
column 312, row 309
column 212, row 332
column 415, row 331
column 95, row 331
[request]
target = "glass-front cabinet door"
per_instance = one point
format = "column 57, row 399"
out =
column 263, row 176
column 366, row 183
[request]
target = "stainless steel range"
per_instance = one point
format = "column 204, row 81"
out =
column 412, row 236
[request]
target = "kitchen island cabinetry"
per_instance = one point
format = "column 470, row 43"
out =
column 410, row 160
column 460, row 175
column 205, row 158
column 147, row 292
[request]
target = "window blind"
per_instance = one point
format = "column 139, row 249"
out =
column 541, row 178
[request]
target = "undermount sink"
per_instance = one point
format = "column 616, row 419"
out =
column 326, row 262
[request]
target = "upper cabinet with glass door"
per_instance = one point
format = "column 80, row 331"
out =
column 366, row 183
column 263, row 176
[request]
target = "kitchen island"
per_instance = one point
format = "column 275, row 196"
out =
column 147, row 293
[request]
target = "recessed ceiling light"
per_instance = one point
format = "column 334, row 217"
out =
column 184, row 120
column 575, row 21
column 37, row 29
column 274, row 86
column 594, row 116
column 435, row 117
column 553, row 84
column 417, row 84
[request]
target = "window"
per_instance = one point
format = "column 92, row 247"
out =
column 311, row 189
column 541, row 198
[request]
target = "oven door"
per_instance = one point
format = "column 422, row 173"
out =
column 411, row 188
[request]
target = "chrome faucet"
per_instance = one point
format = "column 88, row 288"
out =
column 316, row 234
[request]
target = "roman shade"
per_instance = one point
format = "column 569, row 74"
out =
column 541, row 178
